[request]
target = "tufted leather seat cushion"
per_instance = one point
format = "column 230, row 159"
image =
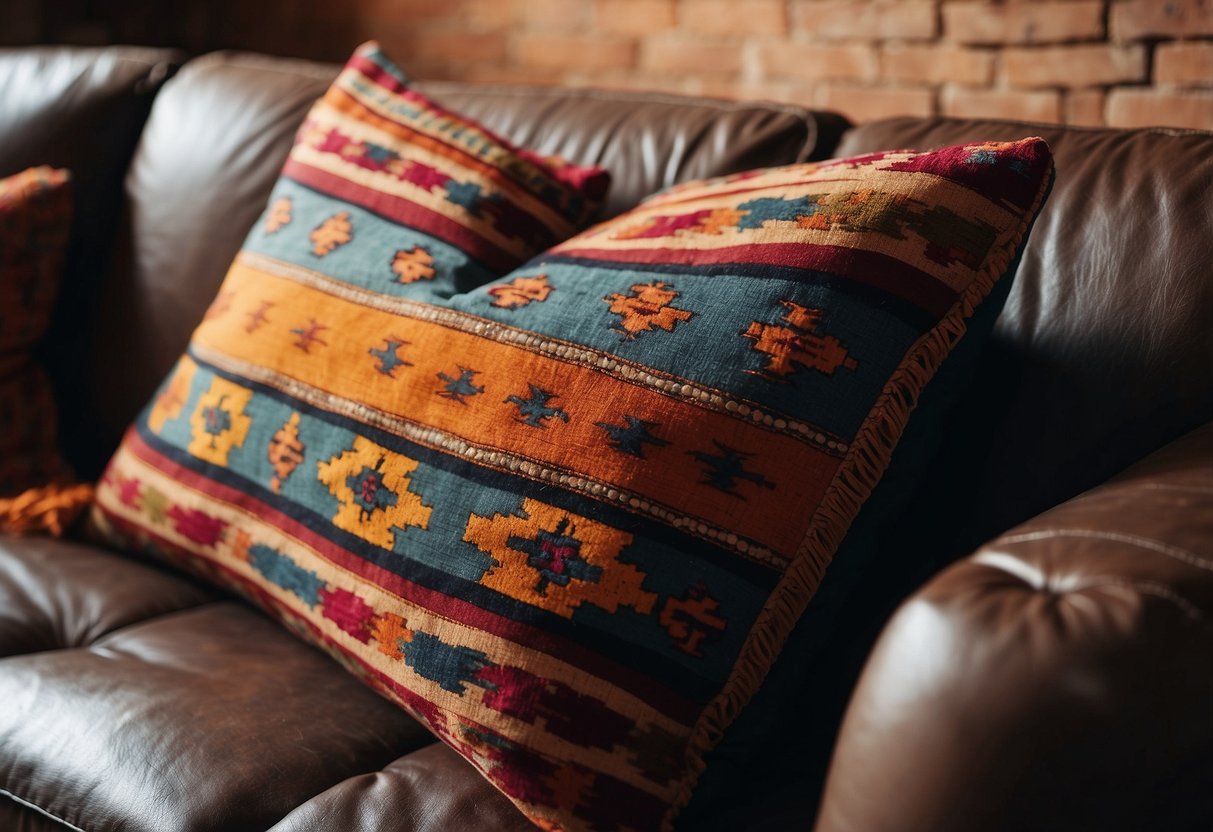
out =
column 56, row 595
column 135, row 701
column 431, row 790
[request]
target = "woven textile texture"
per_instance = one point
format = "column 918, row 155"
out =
column 567, row 519
column 385, row 184
column 35, row 217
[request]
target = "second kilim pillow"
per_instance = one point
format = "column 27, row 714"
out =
column 568, row 519
column 388, row 189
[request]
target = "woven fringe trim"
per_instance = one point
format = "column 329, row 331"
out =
column 50, row 509
column 857, row 476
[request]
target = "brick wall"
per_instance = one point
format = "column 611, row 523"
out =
column 1116, row 62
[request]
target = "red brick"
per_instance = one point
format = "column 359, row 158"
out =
column 1146, row 108
column 429, row 48
column 559, row 15
column 489, row 14
column 819, row 62
column 533, row 15
column 937, row 64
column 1015, row 22
column 734, row 17
column 1084, row 108
column 868, row 103
column 1137, row 19
column 1083, row 65
column 649, row 83
column 666, row 53
column 1026, row 106
column 1184, row 64
column 633, row 17
column 757, row 90
column 876, row 20
column 573, row 52
column 804, row 94
column 499, row 74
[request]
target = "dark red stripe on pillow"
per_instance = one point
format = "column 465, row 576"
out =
column 375, row 73
column 869, row 268
column 404, row 212
column 591, row 181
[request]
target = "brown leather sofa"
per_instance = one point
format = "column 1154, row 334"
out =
column 1059, row 678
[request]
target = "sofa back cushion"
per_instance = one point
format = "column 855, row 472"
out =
column 1104, row 351
column 221, row 130
column 79, row 109
column 647, row 141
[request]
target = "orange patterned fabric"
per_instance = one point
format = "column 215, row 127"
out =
column 35, row 216
column 567, row 519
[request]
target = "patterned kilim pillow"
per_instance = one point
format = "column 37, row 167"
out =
column 568, row 519
column 35, row 218
column 384, row 186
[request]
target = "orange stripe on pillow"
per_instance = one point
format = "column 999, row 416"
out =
column 533, row 406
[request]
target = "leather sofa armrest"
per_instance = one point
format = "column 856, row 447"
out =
column 1059, row 678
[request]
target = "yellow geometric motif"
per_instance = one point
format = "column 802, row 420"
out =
column 413, row 264
column 372, row 486
column 569, row 786
column 170, row 402
column 690, row 619
column 334, row 232
column 219, row 423
column 521, row 291
column 797, row 344
column 279, row 215
column 721, row 220
column 285, row 452
column 646, row 309
column 557, row 561
column 390, row 632
column 241, row 545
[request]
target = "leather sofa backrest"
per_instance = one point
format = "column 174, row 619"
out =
column 647, row 140
column 1105, row 349
column 80, row 109
column 219, row 133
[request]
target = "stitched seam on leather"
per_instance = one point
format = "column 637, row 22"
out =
column 1023, row 571
column 249, row 60
column 1162, row 486
column 803, row 116
column 39, row 810
column 1170, row 551
column 1150, row 588
column 623, row 96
